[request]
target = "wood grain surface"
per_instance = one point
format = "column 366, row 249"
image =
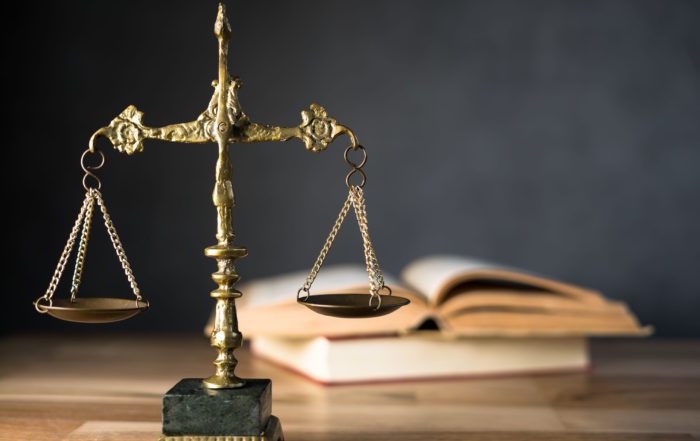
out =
column 95, row 387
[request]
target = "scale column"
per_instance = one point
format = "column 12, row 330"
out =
column 225, row 337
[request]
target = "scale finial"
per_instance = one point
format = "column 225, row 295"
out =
column 222, row 28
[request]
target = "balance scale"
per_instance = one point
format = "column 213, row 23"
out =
column 221, row 407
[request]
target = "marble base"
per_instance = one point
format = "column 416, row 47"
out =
column 272, row 432
column 194, row 413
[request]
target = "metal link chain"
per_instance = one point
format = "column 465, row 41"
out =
column 82, row 248
column 53, row 284
column 327, row 245
column 112, row 231
column 376, row 280
column 84, row 220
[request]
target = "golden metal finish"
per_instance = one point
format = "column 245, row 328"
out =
column 82, row 249
column 223, row 122
column 117, row 244
column 348, row 305
column 95, row 309
column 353, row 305
column 90, row 310
column 53, row 284
column 376, row 279
column 126, row 132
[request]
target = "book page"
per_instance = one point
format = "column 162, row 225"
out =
column 516, row 322
column 430, row 274
column 496, row 298
column 436, row 277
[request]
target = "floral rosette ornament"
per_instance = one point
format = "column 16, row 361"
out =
column 317, row 129
column 126, row 131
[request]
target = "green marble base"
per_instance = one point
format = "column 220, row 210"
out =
column 193, row 411
column 272, row 432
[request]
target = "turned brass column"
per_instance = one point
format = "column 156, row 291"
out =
column 225, row 337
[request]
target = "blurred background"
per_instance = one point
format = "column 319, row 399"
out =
column 560, row 137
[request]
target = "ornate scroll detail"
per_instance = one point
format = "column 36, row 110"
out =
column 255, row 132
column 190, row 132
column 234, row 111
column 317, row 129
column 127, row 132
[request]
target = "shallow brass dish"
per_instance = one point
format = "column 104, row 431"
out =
column 352, row 305
column 94, row 309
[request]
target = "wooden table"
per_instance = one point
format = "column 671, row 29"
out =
column 108, row 387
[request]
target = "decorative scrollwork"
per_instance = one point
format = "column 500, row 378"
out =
column 317, row 129
column 206, row 121
column 126, row 132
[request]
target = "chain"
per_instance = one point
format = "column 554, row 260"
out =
column 84, row 220
column 82, row 248
column 376, row 279
column 355, row 198
column 117, row 244
column 356, row 168
column 327, row 245
column 58, row 272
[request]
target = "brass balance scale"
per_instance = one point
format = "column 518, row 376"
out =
column 222, row 406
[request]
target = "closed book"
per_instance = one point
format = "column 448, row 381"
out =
column 420, row 356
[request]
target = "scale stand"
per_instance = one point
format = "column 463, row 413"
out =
column 221, row 407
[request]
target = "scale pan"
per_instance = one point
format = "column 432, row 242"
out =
column 352, row 305
column 95, row 309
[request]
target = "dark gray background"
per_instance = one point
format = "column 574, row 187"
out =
column 557, row 136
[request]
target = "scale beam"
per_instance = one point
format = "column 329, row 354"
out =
column 127, row 132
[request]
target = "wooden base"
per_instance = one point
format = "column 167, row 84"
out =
column 273, row 432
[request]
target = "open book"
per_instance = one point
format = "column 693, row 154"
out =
column 459, row 296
